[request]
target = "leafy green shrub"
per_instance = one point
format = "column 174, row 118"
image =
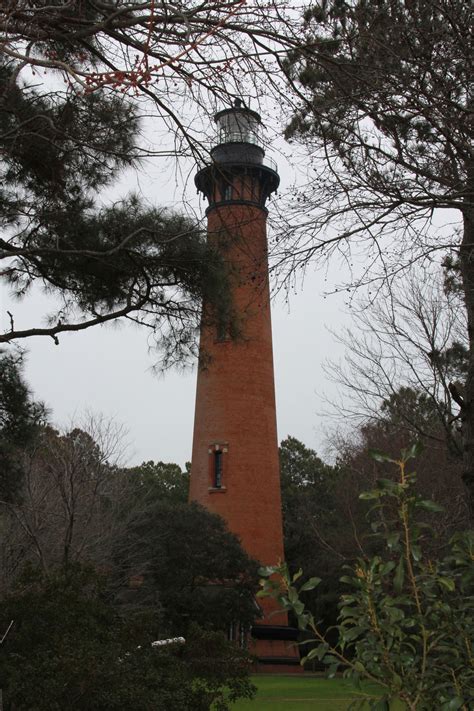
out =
column 406, row 622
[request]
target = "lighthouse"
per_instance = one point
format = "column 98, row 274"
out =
column 235, row 465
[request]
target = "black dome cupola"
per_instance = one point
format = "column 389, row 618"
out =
column 239, row 171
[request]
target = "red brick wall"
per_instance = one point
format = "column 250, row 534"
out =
column 235, row 400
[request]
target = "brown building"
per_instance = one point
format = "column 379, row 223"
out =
column 235, row 469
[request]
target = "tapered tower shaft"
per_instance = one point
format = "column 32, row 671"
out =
column 235, row 469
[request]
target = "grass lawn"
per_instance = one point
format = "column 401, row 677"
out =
column 303, row 693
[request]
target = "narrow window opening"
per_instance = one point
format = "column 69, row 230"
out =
column 218, row 469
column 227, row 191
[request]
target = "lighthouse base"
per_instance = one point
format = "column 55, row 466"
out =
column 276, row 649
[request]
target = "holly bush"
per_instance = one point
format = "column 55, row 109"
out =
column 406, row 621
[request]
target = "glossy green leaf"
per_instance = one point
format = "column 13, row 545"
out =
column 399, row 576
column 298, row 608
column 381, row 705
column 447, row 583
column 387, row 567
column 303, row 621
column 321, row 650
column 354, row 632
column 379, row 456
column 387, row 484
column 368, row 495
column 297, row 575
column 347, row 580
column 414, row 451
column 333, row 671
column 428, row 505
column 453, row 704
column 312, row 654
column 310, row 584
column 392, row 538
column 267, row 570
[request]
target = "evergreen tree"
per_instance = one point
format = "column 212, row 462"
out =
column 20, row 421
column 190, row 564
column 69, row 648
column 314, row 539
column 66, row 136
column 126, row 260
column 163, row 481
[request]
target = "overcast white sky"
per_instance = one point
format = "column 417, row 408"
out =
column 108, row 370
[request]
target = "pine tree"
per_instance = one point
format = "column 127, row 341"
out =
column 20, row 421
column 66, row 136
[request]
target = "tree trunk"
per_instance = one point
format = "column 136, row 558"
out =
column 466, row 255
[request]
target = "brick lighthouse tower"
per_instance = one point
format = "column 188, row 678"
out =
column 235, row 468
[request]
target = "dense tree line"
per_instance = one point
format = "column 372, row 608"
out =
column 405, row 356
column 326, row 523
column 98, row 561
column 379, row 573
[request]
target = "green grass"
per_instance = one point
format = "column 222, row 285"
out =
column 303, row 693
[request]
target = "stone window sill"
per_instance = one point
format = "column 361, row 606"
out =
column 217, row 489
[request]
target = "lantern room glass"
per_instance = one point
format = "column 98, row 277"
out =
column 236, row 126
